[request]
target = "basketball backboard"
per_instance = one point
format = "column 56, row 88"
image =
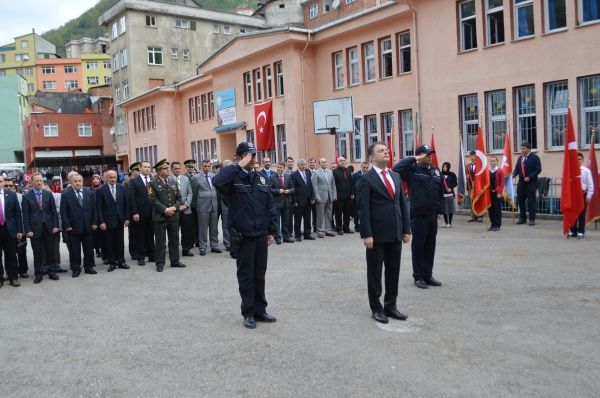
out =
column 333, row 116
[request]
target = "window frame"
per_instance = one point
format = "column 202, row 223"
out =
column 385, row 56
column 546, row 16
column 49, row 84
column 462, row 21
column 516, row 7
column 279, row 82
column 154, row 51
column 125, row 87
column 268, row 74
column 353, row 63
column 580, row 15
column 85, row 127
column 552, row 113
column 51, row 129
column 489, row 12
column 92, row 77
column 366, row 58
column 257, row 84
column 124, row 60
column 185, row 54
column 174, row 53
column 313, row 11
column 150, row 21
column 519, row 117
column 48, row 70
column 492, row 119
column 338, row 70
column 401, row 49
column 405, row 149
column 358, row 140
column 469, row 139
column 585, row 111
column 371, row 135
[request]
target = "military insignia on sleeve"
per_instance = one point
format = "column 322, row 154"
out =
column 262, row 180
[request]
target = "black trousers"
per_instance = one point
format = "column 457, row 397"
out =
column 579, row 226
column 98, row 240
column 251, row 269
column 143, row 237
column 283, row 218
column 77, row 242
column 424, row 232
column 313, row 212
column 526, row 194
column 43, row 252
column 188, row 235
column 8, row 245
column 380, row 254
column 162, row 229
column 355, row 214
column 343, row 211
column 114, row 244
column 495, row 211
column 22, row 255
column 300, row 213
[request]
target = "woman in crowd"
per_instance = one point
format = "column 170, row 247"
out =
column 449, row 181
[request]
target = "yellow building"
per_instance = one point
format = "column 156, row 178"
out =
column 20, row 57
column 96, row 70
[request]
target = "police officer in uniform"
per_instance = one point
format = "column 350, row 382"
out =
column 165, row 199
column 253, row 224
column 426, row 195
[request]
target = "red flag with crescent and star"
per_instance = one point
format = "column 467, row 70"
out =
column 482, row 199
column 593, row 207
column 571, row 194
column 263, row 126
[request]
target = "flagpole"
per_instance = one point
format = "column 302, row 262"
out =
column 512, row 205
column 488, row 223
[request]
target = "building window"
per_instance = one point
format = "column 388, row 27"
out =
column 2, row 72
column 120, row 125
column 28, row 71
column 211, row 105
column 496, row 119
column 555, row 15
column 525, row 115
column 371, row 129
column 242, row 31
column 226, row 29
column 342, row 145
column 354, row 73
column 2, row 58
column 385, row 47
column 350, row 1
column 106, row 65
column 115, row 31
column 494, row 21
column 281, row 141
column 216, row 28
column 92, row 79
column 122, row 25
column 314, row 11
column 125, row 85
column 257, row 85
column 186, row 54
column 387, row 121
column 468, row 25
column 117, row 89
column 174, row 53
column 268, row 72
column 338, row 69
column 150, row 21
column 123, row 58
column 24, row 44
column 85, row 129
column 204, row 107
column 213, row 148
column 469, row 117
column 182, row 23
column 404, row 52
column 557, row 105
column 247, row 88
column 71, row 84
column 155, row 56
column 206, row 149
column 406, row 124
column 523, row 18
column 50, row 129
column 589, row 103
column 49, row 85
column 107, row 79
column 91, row 65
column 48, row 70
column 279, row 79
column 589, row 10
column 369, row 61
column 30, row 87
column 192, row 110
column 70, row 69
column 115, row 62
column 357, row 141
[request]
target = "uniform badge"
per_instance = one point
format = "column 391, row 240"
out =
column 262, row 180
column 149, row 190
column 437, row 172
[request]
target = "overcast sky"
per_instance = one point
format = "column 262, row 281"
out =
column 41, row 15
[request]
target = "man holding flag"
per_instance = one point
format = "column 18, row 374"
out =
column 571, row 195
column 587, row 186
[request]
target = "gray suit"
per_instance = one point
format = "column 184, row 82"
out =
column 185, row 187
column 325, row 193
column 207, row 207
column 186, row 218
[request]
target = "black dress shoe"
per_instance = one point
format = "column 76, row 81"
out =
column 38, row 279
column 310, row 237
column 187, row 254
column 348, row 231
column 178, row 264
column 278, row 242
column 421, row 284
column 123, row 266
column 433, row 282
column 249, row 322
column 99, row 254
column 520, row 222
column 227, row 248
column 160, row 267
column 151, row 260
column 14, row 283
column 59, row 270
column 53, row 276
column 532, row 223
column 340, row 232
column 380, row 317
column 394, row 313
column 141, row 261
column 105, row 261
column 216, row 250
column 23, row 275
column 111, row 268
column 91, row 271
column 265, row 318
column 202, row 252
column 76, row 274
column 289, row 240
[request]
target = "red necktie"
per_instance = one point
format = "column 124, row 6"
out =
column 388, row 186
column 281, row 182
column 523, row 166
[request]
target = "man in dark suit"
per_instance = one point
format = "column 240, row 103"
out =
column 343, row 185
column 79, row 221
column 385, row 225
column 134, row 170
column 282, row 190
column 528, row 167
column 142, row 226
column 266, row 170
column 113, row 213
column 40, row 224
column 11, row 229
column 364, row 167
column 302, row 199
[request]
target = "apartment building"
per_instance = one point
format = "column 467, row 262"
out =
column 58, row 75
column 86, row 45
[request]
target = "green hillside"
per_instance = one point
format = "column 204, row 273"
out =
column 86, row 25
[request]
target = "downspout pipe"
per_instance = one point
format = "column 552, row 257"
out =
column 303, row 94
column 416, row 70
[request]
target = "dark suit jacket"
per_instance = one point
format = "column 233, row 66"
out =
column 303, row 192
column 343, row 182
column 355, row 178
column 382, row 218
column 281, row 201
column 13, row 220
column 112, row 213
column 35, row 219
column 137, row 200
column 533, row 167
column 80, row 218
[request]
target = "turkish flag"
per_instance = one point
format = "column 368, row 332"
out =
column 593, row 208
column 482, row 199
column 390, row 145
column 434, row 160
column 509, row 191
column 571, row 194
column 263, row 126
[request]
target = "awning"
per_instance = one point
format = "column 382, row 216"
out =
column 73, row 161
column 229, row 127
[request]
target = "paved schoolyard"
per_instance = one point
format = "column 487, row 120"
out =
column 517, row 317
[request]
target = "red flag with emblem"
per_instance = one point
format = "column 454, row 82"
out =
column 434, row 159
column 593, row 208
column 571, row 194
column 481, row 183
column 263, row 126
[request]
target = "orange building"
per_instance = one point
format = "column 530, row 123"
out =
column 58, row 75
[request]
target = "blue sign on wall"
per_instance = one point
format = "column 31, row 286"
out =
column 225, row 98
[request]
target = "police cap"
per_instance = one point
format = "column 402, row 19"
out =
column 424, row 149
column 245, row 147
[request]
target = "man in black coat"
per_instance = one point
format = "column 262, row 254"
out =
column 528, row 167
column 282, row 190
column 11, row 229
column 364, row 167
column 302, row 199
column 40, row 224
column 343, row 207
column 142, row 226
column 111, row 202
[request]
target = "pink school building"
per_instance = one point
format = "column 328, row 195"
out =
column 413, row 69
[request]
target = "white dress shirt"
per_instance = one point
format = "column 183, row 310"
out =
column 587, row 183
